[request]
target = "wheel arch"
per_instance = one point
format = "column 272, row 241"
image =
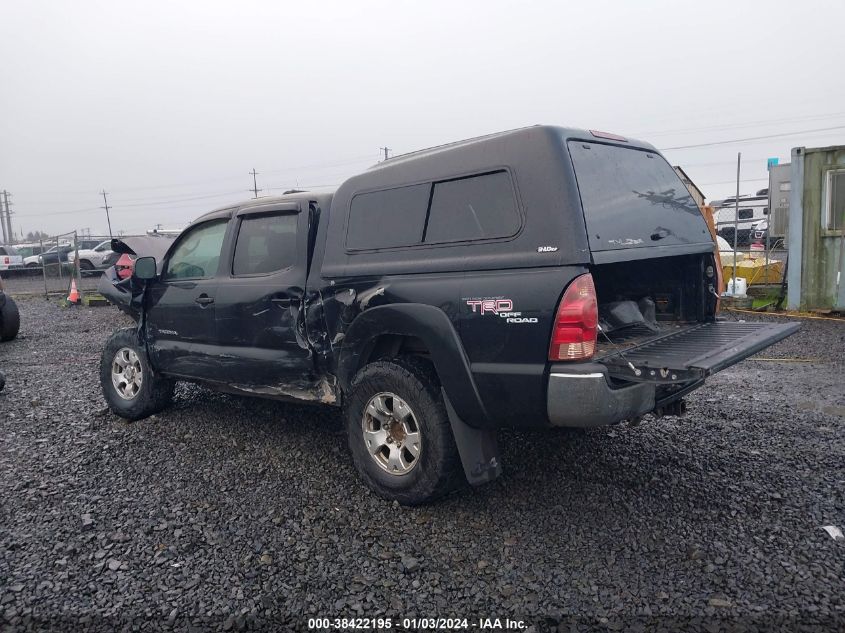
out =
column 383, row 331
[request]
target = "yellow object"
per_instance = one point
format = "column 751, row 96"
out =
column 754, row 270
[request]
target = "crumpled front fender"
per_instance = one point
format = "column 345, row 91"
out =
column 126, row 294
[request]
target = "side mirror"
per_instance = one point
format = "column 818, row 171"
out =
column 145, row 268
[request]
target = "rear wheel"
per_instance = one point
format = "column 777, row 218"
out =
column 85, row 266
column 129, row 385
column 399, row 432
column 10, row 320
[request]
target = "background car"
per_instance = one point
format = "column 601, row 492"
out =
column 10, row 259
column 91, row 259
column 53, row 255
column 28, row 250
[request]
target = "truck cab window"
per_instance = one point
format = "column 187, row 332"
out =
column 198, row 252
column 266, row 244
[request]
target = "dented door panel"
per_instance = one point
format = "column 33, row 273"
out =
column 180, row 326
column 261, row 331
column 261, row 338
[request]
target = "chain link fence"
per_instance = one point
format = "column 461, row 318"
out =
column 53, row 263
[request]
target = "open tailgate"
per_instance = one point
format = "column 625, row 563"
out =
column 694, row 352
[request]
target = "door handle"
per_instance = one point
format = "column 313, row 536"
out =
column 204, row 299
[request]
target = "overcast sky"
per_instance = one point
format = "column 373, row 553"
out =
column 169, row 105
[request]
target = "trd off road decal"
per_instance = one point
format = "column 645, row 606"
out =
column 503, row 308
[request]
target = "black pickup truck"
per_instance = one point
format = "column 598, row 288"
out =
column 542, row 277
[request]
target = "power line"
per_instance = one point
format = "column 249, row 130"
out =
column 730, row 182
column 119, row 206
column 305, row 187
column 754, row 138
column 178, row 200
column 722, row 162
column 174, row 198
column 732, row 126
column 349, row 161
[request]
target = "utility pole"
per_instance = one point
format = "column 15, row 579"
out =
column 8, row 217
column 736, row 215
column 255, row 188
column 386, row 149
column 108, row 219
column 6, row 238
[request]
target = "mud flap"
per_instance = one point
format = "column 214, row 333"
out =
column 478, row 448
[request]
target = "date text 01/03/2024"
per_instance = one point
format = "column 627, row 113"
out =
column 415, row 624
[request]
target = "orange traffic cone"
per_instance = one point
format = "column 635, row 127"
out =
column 73, row 297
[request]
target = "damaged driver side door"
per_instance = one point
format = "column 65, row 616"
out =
column 260, row 323
column 180, row 314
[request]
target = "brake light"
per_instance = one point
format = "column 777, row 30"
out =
column 7, row 260
column 608, row 136
column 576, row 323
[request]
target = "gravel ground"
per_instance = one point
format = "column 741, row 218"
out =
column 228, row 513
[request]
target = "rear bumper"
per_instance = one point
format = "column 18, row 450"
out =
column 583, row 397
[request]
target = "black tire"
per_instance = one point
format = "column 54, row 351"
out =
column 10, row 320
column 155, row 392
column 438, row 470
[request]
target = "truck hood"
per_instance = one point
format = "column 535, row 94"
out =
column 143, row 246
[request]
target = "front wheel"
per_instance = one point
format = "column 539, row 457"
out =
column 130, row 387
column 399, row 432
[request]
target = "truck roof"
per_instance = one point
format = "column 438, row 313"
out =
column 323, row 197
column 518, row 138
column 528, row 143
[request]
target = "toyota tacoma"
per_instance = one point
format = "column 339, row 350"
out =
column 541, row 277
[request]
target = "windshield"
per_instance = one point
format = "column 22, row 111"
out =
column 633, row 199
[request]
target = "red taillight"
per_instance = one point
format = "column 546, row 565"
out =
column 576, row 323
column 7, row 260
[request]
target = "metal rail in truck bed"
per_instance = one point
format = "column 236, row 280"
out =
column 695, row 352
